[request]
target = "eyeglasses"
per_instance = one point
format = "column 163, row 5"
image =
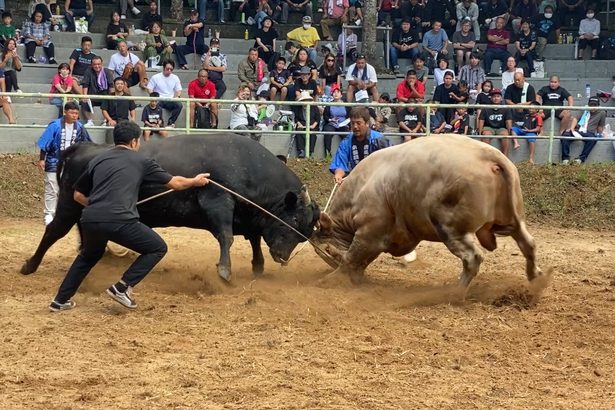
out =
column 330, row 60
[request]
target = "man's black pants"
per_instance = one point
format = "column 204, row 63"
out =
column 133, row 235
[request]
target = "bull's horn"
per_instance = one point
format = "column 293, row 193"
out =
column 305, row 196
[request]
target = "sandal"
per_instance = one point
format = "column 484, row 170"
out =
column 184, row 67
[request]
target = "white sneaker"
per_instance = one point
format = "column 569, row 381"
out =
column 48, row 219
column 90, row 123
column 357, row 22
column 19, row 91
column 135, row 11
column 123, row 17
column 250, row 21
column 578, row 161
column 566, row 162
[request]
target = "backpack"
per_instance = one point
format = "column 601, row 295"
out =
column 203, row 118
column 607, row 49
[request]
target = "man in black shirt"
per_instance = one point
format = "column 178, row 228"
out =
column 151, row 16
column 81, row 58
column 405, row 44
column 118, row 110
column 545, row 24
column 194, row 30
column 97, row 80
column 77, row 9
column 553, row 94
column 108, row 190
column 519, row 92
column 495, row 121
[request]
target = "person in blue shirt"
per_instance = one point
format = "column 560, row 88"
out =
column 360, row 143
column 59, row 135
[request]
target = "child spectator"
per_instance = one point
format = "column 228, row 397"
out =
column 62, row 83
column 462, row 95
column 483, row 97
column 410, row 122
column 461, row 123
column 437, row 123
column 334, row 117
column 382, row 114
column 279, row 80
column 152, row 118
column 7, row 29
column 532, row 126
column 421, row 71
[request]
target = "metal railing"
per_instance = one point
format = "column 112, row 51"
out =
column 427, row 107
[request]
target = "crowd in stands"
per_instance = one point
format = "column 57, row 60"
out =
column 421, row 31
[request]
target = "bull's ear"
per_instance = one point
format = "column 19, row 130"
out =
column 325, row 222
column 291, row 200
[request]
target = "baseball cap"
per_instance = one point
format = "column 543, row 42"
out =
column 194, row 12
column 495, row 91
column 307, row 19
column 593, row 101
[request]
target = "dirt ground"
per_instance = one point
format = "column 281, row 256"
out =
column 402, row 340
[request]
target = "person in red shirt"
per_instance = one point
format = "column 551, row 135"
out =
column 497, row 43
column 202, row 88
column 411, row 90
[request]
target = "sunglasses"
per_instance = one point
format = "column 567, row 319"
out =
column 330, row 60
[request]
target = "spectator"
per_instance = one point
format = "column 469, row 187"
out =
column 335, row 13
column 464, row 42
column 437, row 122
column 422, row 72
column 435, row 41
column 248, row 70
column 124, row 4
column 116, row 30
column 62, row 83
column 36, row 33
column 358, row 145
column 157, row 45
column 440, row 70
column 298, row 6
column 307, row 36
column 334, row 118
column 385, row 11
column 203, row 88
column 355, row 8
column 404, row 44
column 362, row 77
column 467, row 12
column 495, row 121
column 10, row 64
column 571, row 12
column 59, row 135
column 279, row 80
column 508, row 76
column 152, row 118
column 411, row 90
column 243, row 116
column 347, row 43
column 215, row 63
column 264, row 42
column 381, row 114
column 128, row 66
column 77, row 9
column 461, row 123
column 5, row 102
column 497, row 42
column 588, row 124
column 519, row 92
column 329, row 74
column 545, row 24
column 473, row 74
column 7, row 29
column 96, row 81
column 494, row 10
column 523, row 10
column 44, row 6
column 263, row 9
column 81, row 58
column 442, row 11
column 117, row 110
column 167, row 85
column 463, row 95
column 195, row 40
column 202, row 8
column 555, row 95
column 525, row 45
column 589, row 34
column 278, row 8
column 301, row 125
column 483, row 98
column 150, row 17
column 302, row 60
column 531, row 126
column 410, row 122
column 444, row 95
column 414, row 11
column 305, row 84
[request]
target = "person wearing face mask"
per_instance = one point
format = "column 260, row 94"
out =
column 307, row 37
column 589, row 34
column 545, row 25
column 215, row 63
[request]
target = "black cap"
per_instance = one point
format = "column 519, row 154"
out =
column 593, row 101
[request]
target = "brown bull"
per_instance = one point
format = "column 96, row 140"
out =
column 443, row 188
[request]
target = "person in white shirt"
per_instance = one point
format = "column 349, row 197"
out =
column 128, row 66
column 589, row 34
column 167, row 85
column 508, row 76
column 362, row 77
column 241, row 111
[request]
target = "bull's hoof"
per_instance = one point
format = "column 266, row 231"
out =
column 26, row 269
column 224, row 273
column 258, row 269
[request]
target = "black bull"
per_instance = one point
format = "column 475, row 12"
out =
column 235, row 162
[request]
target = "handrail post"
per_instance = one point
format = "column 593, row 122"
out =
column 428, row 120
column 551, row 136
column 307, row 108
column 188, row 113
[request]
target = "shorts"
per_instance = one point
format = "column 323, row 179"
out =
column 133, row 79
column 495, row 131
column 547, row 113
column 528, row 135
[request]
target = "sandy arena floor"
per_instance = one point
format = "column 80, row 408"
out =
column 402, row 340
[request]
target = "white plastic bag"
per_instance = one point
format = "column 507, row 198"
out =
column 81, row 25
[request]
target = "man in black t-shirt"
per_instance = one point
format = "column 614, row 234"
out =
column 495, row 121
column 553, row 94
column 545, row 24
column 194, row 30
column 405, row 44
column 81, row 58
column 118, row 110
column 151, row 16
column 97, row 80
column 410, row 122
column 108, row 190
